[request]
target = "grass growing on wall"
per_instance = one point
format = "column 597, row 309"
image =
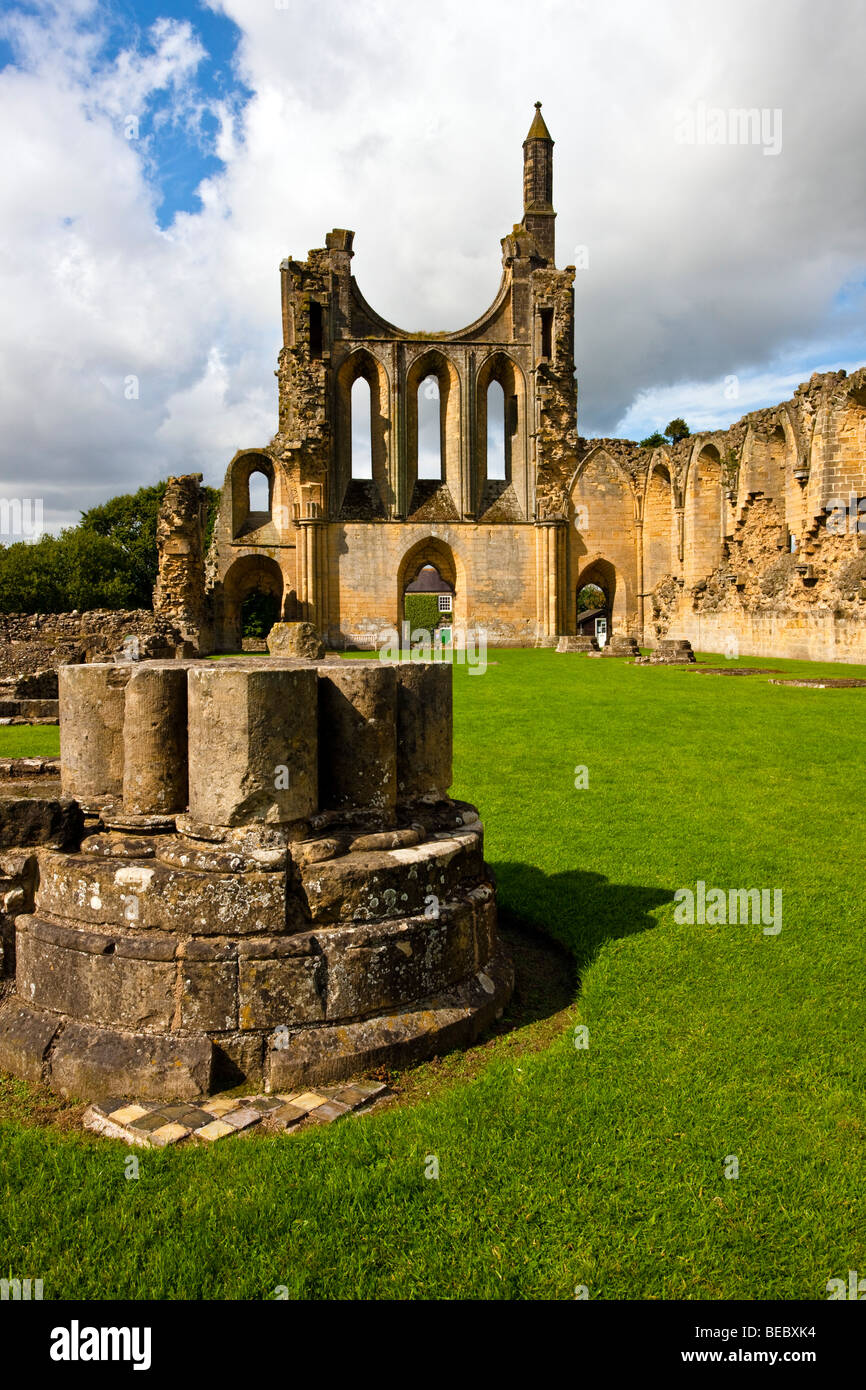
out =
column 603, row 1166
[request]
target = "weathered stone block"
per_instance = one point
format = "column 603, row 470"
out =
column 155, row 740
column 258, row 727
column 358, row 737
column 80, row 974
column 298, row 640
column 424, row 729
column 393, row 883
column 92, row 1062
column 40, row 820
column 371, row 968
column 238, row 1057
column 92, row 703
column 151, row 895
column 282, row 989
column 209, row 998
column 25, row 1036
column 433, row 1026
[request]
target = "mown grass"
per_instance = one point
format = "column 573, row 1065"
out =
column 29, row 741
column 602, row 1166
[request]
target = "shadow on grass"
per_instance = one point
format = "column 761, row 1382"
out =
column 554, row 925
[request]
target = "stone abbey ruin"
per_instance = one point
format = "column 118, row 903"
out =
column 251, row 871
column 727, row 536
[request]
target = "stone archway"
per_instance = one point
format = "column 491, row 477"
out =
column 601, row 574
column 435, row 552
column 702, row 527
column 248, row 575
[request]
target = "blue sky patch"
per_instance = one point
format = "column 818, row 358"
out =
column 178, row 136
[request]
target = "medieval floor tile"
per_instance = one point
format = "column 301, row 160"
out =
column 110, row 1104
column 217, row 1129
column 263, row 1103
column 168, row 1134
column 286, row 1115
column 331, row 1110
column 159, row 1125
column 126, row 1114
column 194, row 1118
column 369, row 1088
column 308, row 1100
column 350, row 1095
column 149, row 1122
column 220, row 1106
column 243, row 1118
column 175, row 1112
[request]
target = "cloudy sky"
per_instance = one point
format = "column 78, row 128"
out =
column 162, row 156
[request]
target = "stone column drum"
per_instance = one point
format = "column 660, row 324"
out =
column 252, row 744
column 358, row 736
column 424, row 722
column 92, row 709
column 155, row 740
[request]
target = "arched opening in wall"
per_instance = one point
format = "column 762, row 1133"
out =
column 497, row 463
column 428, row 592
column 252, row 594
column 702, row 522
column 778, row 455
column 259, row 496
column 603, row 500
column 254, row 496
column 431, row 463
column 432, row 393
column 594, row 609
column 259, row 611
column 658, row 528
column 362, row 429
column 502, row 476
column 360, row 485
column 428, row 605
column 762, row 467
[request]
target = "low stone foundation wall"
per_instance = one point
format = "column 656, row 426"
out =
column 795, row 636
column 29, row 711
column 33, row 644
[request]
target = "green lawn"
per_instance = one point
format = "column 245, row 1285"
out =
column 562, row 1166
column 29, row 741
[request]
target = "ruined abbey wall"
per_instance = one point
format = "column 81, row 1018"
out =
column 729, row 538
column 745, row 539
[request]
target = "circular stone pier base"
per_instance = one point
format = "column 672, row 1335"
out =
column 265, row 883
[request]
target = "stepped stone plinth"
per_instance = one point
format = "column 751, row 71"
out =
column 672, row 651
column 252, row 872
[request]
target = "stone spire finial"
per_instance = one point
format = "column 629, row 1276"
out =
column 538, row 130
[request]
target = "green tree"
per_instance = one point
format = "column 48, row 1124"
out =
column 677, row 430
column 109, row 560
column 130, row 522
column 75, row 570
column 259, row 611
column 653, row 441
column 590, row 596
column 31, row 577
